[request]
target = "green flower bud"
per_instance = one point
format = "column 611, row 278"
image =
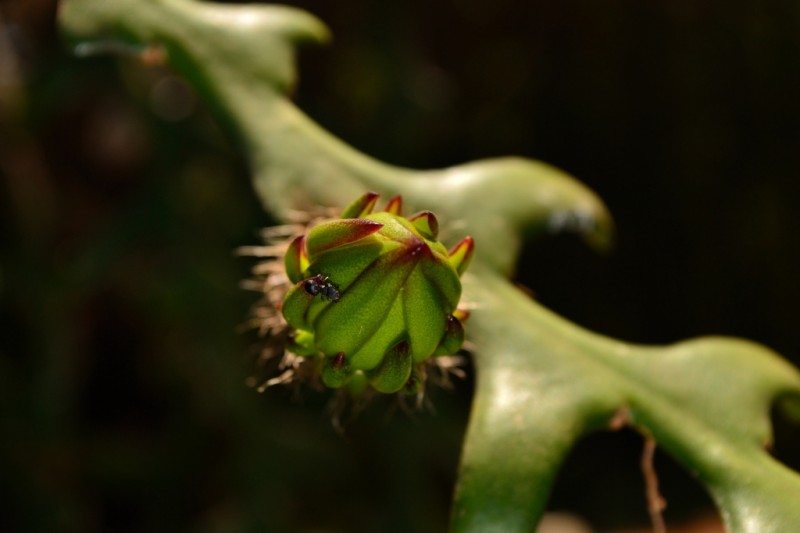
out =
column 375, row 295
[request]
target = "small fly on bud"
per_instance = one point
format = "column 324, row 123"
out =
column 322, row 285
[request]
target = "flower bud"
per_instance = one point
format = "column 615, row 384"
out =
column 375, row 294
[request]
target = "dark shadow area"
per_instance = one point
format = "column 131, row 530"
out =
column 602, row 482
column 786, row 432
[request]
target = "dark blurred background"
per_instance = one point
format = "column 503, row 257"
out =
column 122, row 397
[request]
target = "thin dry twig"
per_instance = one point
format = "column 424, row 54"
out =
column 655, row 502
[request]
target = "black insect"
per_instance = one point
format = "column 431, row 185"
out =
column 321, row 284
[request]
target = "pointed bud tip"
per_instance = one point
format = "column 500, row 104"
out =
column 296, row 261
column 395, row 206
column 427, row 224
column 361, row 207
column 461, row 314
column 338, row 233
column 461, row 254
